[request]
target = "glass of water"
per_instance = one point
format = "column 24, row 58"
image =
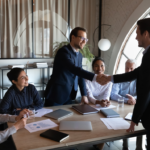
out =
column 121, row 102
column 31, row 113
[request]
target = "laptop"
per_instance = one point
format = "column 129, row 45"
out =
column 76, row 125
column 59, row 114
column 85, row 109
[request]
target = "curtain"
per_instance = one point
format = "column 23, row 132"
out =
column 12, row 14
column 85, row 13
column 28, row 28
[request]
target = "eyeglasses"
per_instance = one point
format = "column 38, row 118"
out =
column 83, row 39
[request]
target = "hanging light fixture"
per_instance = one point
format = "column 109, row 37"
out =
column 104, row 44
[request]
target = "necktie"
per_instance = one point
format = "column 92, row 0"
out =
column 76, row 78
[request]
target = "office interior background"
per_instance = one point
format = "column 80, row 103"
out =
column 29, row 28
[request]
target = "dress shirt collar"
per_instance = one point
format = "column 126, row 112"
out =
column 146, row 49
column 74, row 49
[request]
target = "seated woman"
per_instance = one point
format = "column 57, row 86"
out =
column 20, row 95
column 98, row 94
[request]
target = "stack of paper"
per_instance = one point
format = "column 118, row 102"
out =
column 15, row 66
column 115, row 123
column 40, row 125
column 40, row 65
column 42, row 112
column 99, row 107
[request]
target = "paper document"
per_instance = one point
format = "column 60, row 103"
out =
column 40, row 125
column 42, row 112
column 99, row 107
column 115, row 123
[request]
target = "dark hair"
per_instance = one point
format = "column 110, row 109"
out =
column 96, row 59
column 75, row 31
column 144, row 25
column 13, row 74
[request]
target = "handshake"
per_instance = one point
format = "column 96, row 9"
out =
column 103, row 79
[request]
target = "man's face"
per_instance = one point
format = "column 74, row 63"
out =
column 77, row 41
column 129, row 67
column 140, row 38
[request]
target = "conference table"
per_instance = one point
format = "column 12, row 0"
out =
column 24, row 140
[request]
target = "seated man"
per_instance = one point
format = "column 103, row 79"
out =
column 127, row 90
column 11, row 130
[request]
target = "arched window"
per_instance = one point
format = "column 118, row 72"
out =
column 130, row 50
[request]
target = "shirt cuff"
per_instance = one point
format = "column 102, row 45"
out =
column 12, row 118
column 112, row 79
column 94, row 79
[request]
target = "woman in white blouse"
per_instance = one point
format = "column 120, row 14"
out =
column 98, row 94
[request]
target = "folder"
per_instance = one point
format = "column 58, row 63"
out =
column 109, row 113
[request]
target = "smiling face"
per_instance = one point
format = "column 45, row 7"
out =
column 99, row 67
column 22, row 80
column 77, row 41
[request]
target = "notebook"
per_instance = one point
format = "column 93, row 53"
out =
column 85, row 109
column 75, row 125
column 54, row 135
column 59, row 114
column 109, row 113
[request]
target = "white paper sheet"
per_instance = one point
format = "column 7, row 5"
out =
column 106, row 124
column 99, row 107
column 40, row 125
column 42, row 112
column 115, row 123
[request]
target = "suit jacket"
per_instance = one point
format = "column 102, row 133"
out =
column 142, row 74
column 62, row 79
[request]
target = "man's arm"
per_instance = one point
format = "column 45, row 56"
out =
column 65, row 60
column 129, row 76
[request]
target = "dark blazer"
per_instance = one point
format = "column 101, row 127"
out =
column 62, row 79
column 142, row 74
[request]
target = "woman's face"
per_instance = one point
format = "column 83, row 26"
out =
column 22, row 80
column 99, row 67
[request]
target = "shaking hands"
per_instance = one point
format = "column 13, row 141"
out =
column 103, row 79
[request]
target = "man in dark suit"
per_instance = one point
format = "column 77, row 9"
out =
column 68, row 73
column 142, row 74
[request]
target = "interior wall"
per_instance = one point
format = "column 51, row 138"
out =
column 116, row 13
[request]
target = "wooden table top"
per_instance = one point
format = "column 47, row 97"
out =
column 24, row 140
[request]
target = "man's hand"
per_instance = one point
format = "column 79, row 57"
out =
column 20, row 124
column 84, row 100
column 132, row 100
column 103, row 79
column 131, row 128
column 22, row 113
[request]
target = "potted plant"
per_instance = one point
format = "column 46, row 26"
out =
column 85, row 51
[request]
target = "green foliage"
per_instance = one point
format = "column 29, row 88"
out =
column 85, row 51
